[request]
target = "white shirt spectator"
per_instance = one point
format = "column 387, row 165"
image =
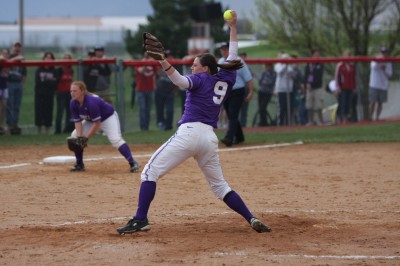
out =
column 380, row 74
column 284, row 76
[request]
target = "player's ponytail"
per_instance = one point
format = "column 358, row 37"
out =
column 210, row 61
column 234, row 64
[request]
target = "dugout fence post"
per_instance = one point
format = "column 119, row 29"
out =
column 358, row 91
column 288, row 100
column 119, row 81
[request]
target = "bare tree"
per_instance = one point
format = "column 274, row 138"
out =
column 393, row 26
column 332, row 26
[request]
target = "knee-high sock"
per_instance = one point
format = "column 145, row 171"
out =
column 235, row 202
column 126, row 152
column 146, row 196
column 79, row 157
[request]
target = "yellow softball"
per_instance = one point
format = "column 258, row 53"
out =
column 228, row 14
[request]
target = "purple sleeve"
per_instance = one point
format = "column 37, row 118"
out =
column 74, row 107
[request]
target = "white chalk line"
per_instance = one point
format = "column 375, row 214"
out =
column 14, row 165
column 305, row 256
column 269, row 146
column 330, row 211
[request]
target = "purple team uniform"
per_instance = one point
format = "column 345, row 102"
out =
column 96, row 109
column 199, row 104
column 93, row 109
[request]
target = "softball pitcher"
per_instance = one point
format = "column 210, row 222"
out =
column 91, row 113
column 207, row 89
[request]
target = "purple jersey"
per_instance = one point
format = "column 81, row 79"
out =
column 205, row 96
column 93, row 109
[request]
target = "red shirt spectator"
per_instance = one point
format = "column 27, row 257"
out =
column 345, row 76
column 66, row 78
column 146, row 77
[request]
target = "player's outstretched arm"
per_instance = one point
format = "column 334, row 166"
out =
column 232, row 25
column 233, row 43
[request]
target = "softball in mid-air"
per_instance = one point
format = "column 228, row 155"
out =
column 228, row 14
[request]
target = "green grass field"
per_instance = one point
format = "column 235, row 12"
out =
column 387, row 132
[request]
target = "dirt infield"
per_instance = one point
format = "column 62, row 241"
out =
column 328, row 204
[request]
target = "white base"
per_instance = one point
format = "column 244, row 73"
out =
column 59, row 159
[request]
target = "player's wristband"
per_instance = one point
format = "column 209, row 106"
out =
column 168, row 68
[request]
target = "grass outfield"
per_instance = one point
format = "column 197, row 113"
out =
column 359, row 132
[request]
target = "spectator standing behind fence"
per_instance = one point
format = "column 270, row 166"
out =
column 379, row 83
column 345, row 81
column 145, row 87
column 164, row 98
column 16, row 79
column 63, row 97
column 284, row 91
column 104, row 76
column 313, row 75
column 4, row 56
column 46, row 81
column 265, row 92
column 233, row 103
column 90, row 72
column 245, row 106
column 299, row 112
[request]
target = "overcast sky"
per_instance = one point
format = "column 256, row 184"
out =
column 34, row 8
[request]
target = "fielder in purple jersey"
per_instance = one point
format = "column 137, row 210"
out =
column 207, row 89
column 91, row 113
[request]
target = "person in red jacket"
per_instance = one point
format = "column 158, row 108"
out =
column 63, row 97
column 345, row 78
column 145, row 87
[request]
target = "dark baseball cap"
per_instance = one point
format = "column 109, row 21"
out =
column 91, row 52
column 224, row 45
column 99, row 48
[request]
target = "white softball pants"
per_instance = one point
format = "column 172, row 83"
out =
column 111, row 128
column 195, row 140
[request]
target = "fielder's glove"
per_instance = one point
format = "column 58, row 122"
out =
column 153, row 46
column 77, row 144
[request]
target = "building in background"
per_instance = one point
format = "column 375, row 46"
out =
column 75, row 33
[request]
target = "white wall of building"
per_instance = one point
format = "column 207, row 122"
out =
column 69, row 31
